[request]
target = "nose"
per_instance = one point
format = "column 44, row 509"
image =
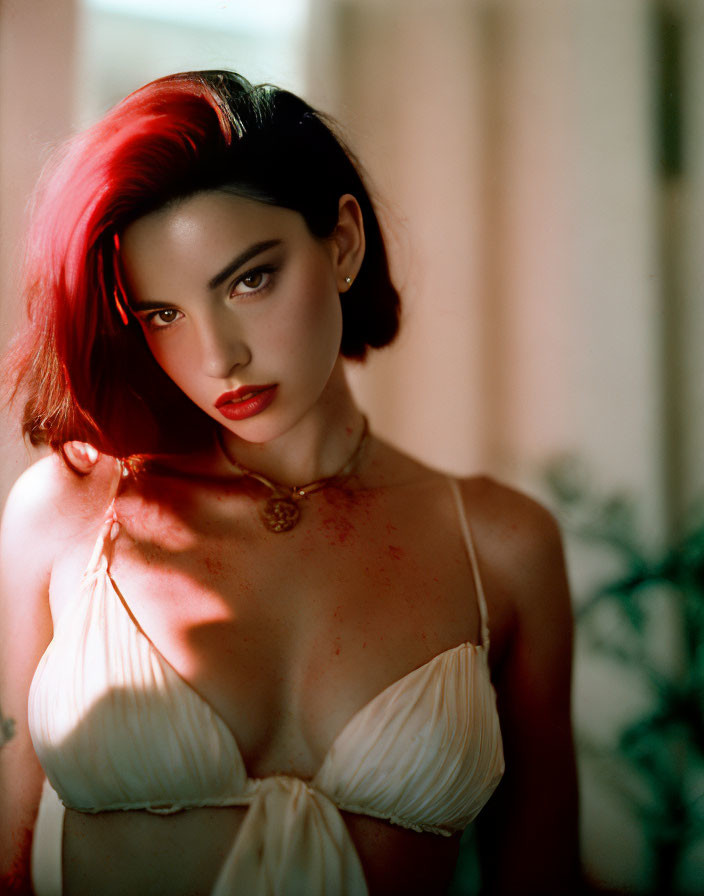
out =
column 222, row 350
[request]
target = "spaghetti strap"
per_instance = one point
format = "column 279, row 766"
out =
column 472, row 554
column 109, row 529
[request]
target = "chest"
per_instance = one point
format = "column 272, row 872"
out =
column 287, row 635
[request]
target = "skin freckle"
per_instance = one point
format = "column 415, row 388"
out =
column 339, row 500
column 213, row 565
column 338, row 529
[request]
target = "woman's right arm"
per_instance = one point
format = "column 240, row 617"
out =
column 25, row 630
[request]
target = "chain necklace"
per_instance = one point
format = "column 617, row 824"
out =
column 281, row 511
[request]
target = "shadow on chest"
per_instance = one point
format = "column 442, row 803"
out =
column 287, row 635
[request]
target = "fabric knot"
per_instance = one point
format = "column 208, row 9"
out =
column 293, row 842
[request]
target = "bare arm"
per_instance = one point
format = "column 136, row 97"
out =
column 47, row 511
column 25, row 630
column 528, row 833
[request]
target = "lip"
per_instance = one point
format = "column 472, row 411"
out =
column 247, row 401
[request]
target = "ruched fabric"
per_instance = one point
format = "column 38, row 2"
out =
column 115, row 727
column 294, row 842
column 426, row 753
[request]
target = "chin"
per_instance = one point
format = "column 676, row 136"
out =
column 258, row 430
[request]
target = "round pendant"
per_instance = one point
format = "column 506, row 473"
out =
column 280, row 514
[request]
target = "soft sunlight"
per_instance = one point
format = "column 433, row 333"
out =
column 236, row 14
column 125, row 43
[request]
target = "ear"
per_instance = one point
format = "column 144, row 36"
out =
column 80, row 455
column 348, row 242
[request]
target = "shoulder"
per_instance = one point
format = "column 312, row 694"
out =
column 50, row 503
column 519, row 546
column 518, row 540
column 513, row 527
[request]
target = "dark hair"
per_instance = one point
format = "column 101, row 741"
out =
column 82, row 359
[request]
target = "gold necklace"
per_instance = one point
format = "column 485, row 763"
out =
column 281, row 511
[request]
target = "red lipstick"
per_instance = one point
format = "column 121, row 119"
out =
column 247, row 401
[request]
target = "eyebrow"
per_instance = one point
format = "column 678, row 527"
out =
column 236, row 263
column 239, row 260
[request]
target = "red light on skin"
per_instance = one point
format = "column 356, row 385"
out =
column 245, row 402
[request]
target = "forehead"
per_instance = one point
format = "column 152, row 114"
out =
column 202, row 233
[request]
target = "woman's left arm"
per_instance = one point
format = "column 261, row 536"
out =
column 528, row 833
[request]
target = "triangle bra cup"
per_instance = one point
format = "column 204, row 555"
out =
column 115, row 726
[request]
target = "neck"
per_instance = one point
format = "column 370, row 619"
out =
column 316, row 447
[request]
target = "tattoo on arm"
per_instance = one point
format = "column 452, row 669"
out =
column 7, row 729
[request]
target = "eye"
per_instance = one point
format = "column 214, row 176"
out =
column 253, row 281
column 156, row 320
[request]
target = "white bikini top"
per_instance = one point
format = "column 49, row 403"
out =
column 115, row 727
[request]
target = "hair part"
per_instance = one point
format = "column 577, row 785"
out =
column 82, row 361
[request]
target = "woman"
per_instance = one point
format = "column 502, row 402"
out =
column 235, row 684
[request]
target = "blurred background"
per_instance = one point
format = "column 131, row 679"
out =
column 539, row 167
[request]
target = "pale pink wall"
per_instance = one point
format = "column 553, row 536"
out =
column 512, row 142
column 393, row 98
column 36, row 96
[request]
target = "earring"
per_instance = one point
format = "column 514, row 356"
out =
column 348, row 281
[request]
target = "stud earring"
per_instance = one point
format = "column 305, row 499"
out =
column 348, row 281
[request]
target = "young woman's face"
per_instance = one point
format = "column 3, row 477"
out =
column 240, row 306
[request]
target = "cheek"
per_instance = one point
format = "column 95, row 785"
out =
column 175, row 356
column 311, row 338
column 160, row 351
column 319, row 319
